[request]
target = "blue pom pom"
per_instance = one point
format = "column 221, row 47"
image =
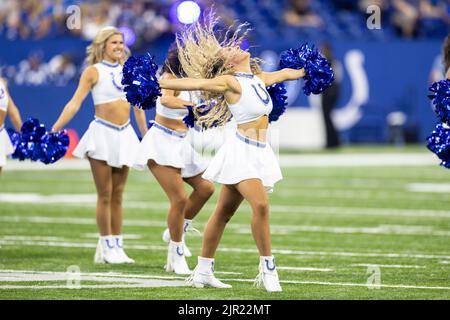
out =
column 30, row 136
column 319, row 74
column 440, row 97
column 439, row 144
column 139, row 78
column 53, row 146
column 278, row 94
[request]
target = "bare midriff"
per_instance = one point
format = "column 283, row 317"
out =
column 117, row 112
column 173, row 124
column 256, row 129
column 2, row 117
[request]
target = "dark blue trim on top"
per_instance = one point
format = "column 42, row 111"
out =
column 109, row 64
column 250, row 141
column 244, row 75
column 168, row 131
column 111, row 125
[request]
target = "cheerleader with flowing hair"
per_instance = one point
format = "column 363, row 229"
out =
column 245, row 164
column 7, row 107
column 167, row 152
column 110, row 143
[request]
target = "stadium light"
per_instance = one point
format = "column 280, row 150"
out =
column 129, row 35
column 188, row 12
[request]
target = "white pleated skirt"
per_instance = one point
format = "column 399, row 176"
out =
column 117, row 145
column 241, row 158
column 6, row 146
column 171, row 148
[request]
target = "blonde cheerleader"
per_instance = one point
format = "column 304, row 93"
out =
column 167, row 152
column 110, row 143
column 245, row 164
column 7, row 107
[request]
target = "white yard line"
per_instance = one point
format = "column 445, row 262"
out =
column 133, row 282
column 245, row 229
column 236, row 250
column 429, row 187
column 397, row 266
column 89, row 200
column 305, row 269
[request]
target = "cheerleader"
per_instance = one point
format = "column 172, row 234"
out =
column 167, row 152
column 245, row 164
column 7, row 106
column 110, row 143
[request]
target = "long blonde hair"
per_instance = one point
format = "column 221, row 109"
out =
column 201, row 56
column 95, row 51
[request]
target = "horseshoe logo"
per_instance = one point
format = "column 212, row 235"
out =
column 267, row 99
column 178, row 251
column 2, row 93
column 268, row 266
column 108, row 244
column 118, row 87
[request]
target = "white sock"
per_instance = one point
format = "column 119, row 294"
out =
column 118, row 241
column 206, row 265
column 268, row 263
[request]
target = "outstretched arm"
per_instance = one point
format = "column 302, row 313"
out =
column 169, row 99
column 219, row 84
column 87, row 80
column 13, row 112
column 282, row 75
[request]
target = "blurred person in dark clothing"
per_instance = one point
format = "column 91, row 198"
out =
column 330, row 98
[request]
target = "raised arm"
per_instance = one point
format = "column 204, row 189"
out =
column 282, row 75
column 13, row 111
column 87, row 81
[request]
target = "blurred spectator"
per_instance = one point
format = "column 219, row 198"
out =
column 32, row 71
column 433, row 18
column 330, row 98
column 405, row 17
column 300, row 14
column 94, row 18
column 61, row 69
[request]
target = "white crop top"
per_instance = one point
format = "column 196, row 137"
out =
column 171, row 113
column 3, row 96
column 109, row 84
column 255, row 100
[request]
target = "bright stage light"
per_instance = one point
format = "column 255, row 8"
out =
column 188, row 12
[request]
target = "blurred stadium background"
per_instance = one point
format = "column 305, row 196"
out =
column 383, row 203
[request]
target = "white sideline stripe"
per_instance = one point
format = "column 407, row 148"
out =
column 305, row 269
column 399, row 266
column 89, row 200
column 302, row 160
column 429, row 187
column 237, row 250
column 128, row 236
column 45, row 276
column 244, row 229
column 382, row 229
column 444, row 262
